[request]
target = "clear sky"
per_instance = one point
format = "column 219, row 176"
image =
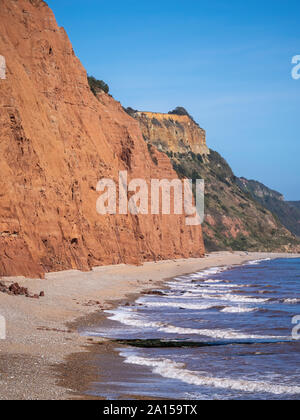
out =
column 228, row 62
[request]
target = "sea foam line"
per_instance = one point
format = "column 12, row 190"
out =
column 256, row 262
column 195, row 306
column 130, row 318
column 179, row 305
column 173, row 370
column 238, row 309
column 235, row 298
column 215, row 295
column 292, row 301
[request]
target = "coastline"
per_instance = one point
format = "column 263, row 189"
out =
column 44, row 356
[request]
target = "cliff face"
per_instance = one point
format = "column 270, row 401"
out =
column 287, row 212
column 57, row 140
column 172, row 133
column 235, row 217
column 259, row 190
column 294, row 204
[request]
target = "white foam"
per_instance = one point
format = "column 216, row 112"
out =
column 217, row 287
column 180, row 286
column 211, row 271
column 215, row 295
column 256, row 262
column 291, row 301
column 172, row 370
column 213, row 281
column 232, row 285
column 217, row 333
column 236, row 298
column 196, row 290
column 238, row 309
column 202, row 274
column 192, row 306
column 130, row 318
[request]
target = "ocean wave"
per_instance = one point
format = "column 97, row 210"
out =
column 198, row 290
column 216, row 295
column 181, row 286
column 174, row 370
column 256, row 262
column 238, row 309
column 211, row 271
column 225, row 286
column 208, row 272
column 292, row 301
column 235, row 298
column 192, row 306
column 217, row 333
column 200, row 274
column 131, row 318
column 213, row 281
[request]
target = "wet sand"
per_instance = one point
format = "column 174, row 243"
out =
column 44, row 356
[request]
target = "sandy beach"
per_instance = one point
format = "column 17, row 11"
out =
column 42, row 355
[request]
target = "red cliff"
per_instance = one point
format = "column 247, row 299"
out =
column 57, row 140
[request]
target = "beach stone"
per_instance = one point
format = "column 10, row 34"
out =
column 155, row 292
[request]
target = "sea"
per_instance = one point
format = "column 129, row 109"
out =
column 222, row 333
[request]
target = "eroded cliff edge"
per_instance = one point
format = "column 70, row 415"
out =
column 235, row 219
column 175, row 132
column 56, row 141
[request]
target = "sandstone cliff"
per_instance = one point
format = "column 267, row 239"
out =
column 172, row 133
column 235, row 219
column 56, row 141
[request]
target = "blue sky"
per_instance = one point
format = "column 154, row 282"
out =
column 227, row 62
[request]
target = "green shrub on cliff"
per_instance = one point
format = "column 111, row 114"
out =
column 97, row 86
column 179, row 110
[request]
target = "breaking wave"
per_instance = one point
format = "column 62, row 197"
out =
column 238, row 309
column 291, row 301
column 130, row 318
column 172, row 370
column 180, row 305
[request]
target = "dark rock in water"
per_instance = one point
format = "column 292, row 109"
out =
column 155, row 292
column 157, row 343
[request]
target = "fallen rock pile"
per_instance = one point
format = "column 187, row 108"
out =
column 16, row 290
